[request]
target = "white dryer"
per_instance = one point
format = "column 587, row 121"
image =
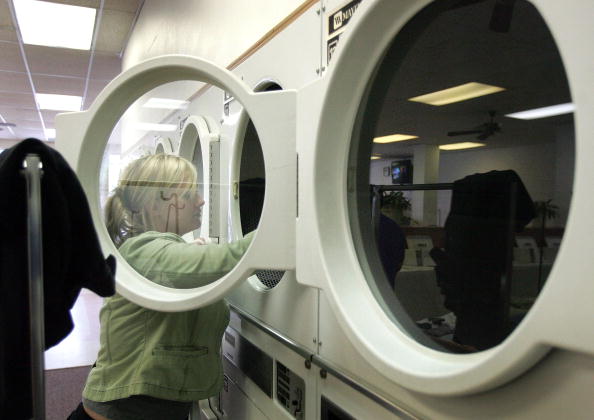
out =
column 391, row 56
column 274, row 298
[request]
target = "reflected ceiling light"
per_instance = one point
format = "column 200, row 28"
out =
column 58, row 102
column 459, row 146
column 50, row 133
column 54, row 24
column 393, row 138
column 164, row 103
column 155, row 127
column 547, row 111
column 457, row 94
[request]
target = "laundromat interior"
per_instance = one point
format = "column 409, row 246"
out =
column 415, row 176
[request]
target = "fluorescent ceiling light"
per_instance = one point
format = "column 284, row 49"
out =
column 547, row 111
column 163, row 103
column 156, row 127
column 375, row 157
column 58, row 102
column 457, row 94
column 459, row 146
column 54, row 24
column 394, row 137
column 50, row 133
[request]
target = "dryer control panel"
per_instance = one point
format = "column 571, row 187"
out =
column 290, row 390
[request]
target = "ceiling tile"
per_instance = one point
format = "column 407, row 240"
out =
column 59, row 85
column 105, row 66
column 49, row 117
column 8, row 34
column 57, row 61
column 95, row 87
column 6, row 140
column 5, row 15
column 11, row 57
column 113, row 31
column 130, row 6
column 27, row 124
column 14, row 82
column 10, row 113
column 19, row 100
column 24, row 133
column 82, row 3
column 7, row 31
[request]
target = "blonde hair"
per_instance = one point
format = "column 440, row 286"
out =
column 143, row 182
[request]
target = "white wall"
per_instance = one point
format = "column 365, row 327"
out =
column 376, row 172
column 217, row 30
column 546, row 169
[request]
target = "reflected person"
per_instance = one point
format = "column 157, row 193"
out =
column 151, row 364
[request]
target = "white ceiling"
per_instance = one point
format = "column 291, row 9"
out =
column 29, row 69
column 457, row 46
column 454, row 48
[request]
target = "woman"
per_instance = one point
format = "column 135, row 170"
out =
column 152, row 365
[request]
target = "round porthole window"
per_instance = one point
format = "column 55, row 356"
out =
column 470, row 264
column 122, row 126
column 463, row 187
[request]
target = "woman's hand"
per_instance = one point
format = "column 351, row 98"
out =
column 200, row 241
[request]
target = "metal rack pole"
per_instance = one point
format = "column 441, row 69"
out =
column 32, row 172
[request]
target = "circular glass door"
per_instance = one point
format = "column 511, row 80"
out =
column 139, row 193
column 447, row 133
column 465, row 166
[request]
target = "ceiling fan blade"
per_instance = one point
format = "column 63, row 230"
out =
column 461, row 133
column 7, row 124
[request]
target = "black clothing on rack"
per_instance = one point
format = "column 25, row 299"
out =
column 72, row 259
column 477, row 241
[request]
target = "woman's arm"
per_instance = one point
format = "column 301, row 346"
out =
column 172, row 262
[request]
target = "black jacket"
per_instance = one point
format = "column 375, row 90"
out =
column 477, row 251
column 72, row 259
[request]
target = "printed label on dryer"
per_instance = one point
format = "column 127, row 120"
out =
column 337, row 22
column 339, row 18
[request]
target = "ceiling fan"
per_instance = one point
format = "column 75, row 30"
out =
column 484, row 130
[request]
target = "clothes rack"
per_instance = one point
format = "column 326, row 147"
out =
column 32, row 170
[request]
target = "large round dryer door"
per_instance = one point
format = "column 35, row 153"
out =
column 450, row 181
column 248, row 177
column 118, row 112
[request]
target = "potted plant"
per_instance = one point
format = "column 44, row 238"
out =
column 394, row 204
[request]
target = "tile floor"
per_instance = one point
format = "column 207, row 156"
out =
column 81, row 346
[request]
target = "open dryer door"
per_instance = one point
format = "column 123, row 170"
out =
column 82, row 138
column 373, row 86
column 164, row 145
column 199, row 140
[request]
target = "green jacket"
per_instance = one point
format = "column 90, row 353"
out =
column 167, row 355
